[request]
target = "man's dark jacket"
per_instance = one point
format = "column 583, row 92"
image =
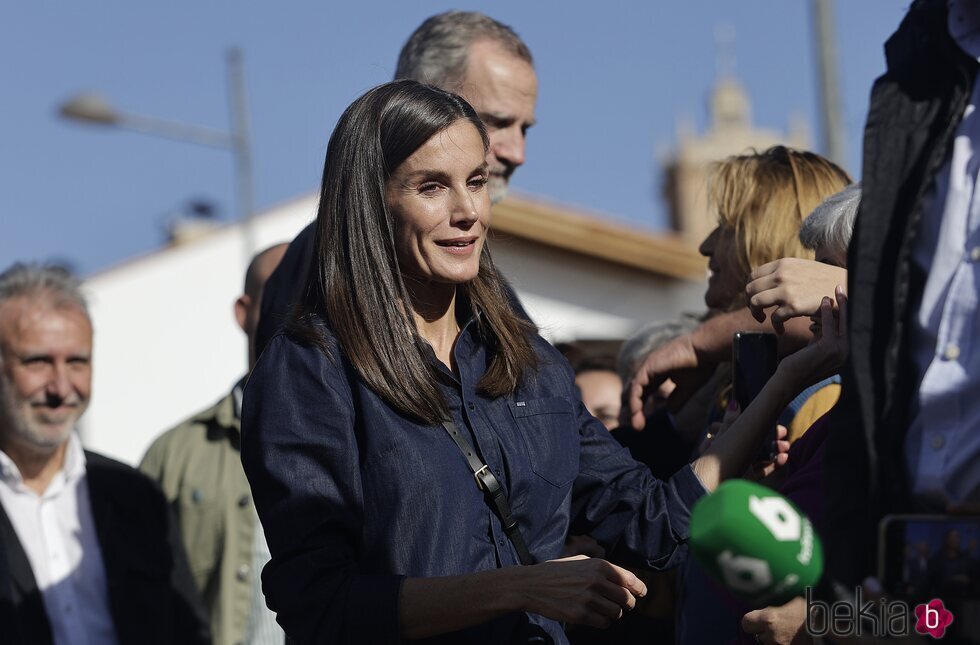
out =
column 915, row 109
column 285, row 286
column 152, row 597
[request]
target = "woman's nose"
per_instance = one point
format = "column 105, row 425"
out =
column 465, row 207
column 708, row 245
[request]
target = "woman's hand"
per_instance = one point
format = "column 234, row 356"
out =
column 824, row 357
column 793, row 285
column 759, row 470
column 677, row 361
column 580, row 590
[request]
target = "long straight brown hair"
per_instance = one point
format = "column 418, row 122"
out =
column 355, row 283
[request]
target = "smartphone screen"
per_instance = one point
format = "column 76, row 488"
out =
column 922, row 557
column 930, row 556
column 753, row 363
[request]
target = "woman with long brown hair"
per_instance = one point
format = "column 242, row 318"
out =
column 410, row 440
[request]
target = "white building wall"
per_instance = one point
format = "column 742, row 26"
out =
column 166, row 341
column 571, row 296
column 167, row 344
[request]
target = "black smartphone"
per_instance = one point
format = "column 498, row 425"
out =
column 754, row 362
column 926, row 557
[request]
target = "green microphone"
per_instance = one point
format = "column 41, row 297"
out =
column 755, row 543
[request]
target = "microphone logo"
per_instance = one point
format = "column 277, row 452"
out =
column 755, row 543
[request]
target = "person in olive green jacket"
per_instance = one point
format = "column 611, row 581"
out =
column 198, row 466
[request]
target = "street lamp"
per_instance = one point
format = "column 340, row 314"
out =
column 94, row 109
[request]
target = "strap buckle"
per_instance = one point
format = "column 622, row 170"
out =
column 478, row 476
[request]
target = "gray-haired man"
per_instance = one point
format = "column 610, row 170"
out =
column 91, row 554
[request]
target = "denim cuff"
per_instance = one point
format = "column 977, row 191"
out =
column 687, row 489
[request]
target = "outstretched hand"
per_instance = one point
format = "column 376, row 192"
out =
column 678, row 361
column 794, row 286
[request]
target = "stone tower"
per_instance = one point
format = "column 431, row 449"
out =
column 730, row 131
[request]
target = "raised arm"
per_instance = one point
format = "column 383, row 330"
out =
column 730, row 452
column 689, row 360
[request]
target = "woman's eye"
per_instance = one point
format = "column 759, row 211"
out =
column 429, row 189
column 478, row 182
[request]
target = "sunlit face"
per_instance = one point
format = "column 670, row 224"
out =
column 45, row 374
column 602, row 392
column 503, row 89
column 725, row 281
column 439, row 199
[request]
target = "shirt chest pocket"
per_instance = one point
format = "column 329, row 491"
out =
column 547, row 429
column 201, row 525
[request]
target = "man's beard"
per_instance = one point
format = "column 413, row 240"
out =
column 497, row 186
column 16, row 425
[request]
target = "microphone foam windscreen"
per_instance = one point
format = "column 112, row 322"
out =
column 755, row 543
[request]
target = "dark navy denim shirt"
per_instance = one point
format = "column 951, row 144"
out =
column 354, row 497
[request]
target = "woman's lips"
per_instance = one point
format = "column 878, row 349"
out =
column 458, row 246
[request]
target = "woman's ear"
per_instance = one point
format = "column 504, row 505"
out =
column 242, row 306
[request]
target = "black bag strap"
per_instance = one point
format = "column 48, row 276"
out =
column 491, row 488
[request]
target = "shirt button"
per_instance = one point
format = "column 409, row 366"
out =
column 952, row 352
column 938, row 442
column 243, row 501
column 242, row 573
column 471, row 406
column 975, row 254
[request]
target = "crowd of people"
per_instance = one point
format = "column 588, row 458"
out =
column 407, row 459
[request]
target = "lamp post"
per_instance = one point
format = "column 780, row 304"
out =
column 94, row 109
column 830, row 101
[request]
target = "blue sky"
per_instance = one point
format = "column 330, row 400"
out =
column 614, row 79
